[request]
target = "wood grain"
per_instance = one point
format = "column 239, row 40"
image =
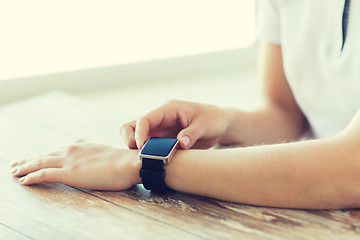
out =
column 224, row 220
column 56, row 211
column 8, row 233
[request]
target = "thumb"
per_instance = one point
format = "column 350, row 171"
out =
column 189, row 136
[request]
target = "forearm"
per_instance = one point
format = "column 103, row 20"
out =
column 318, row 174
column 281, row 120
column 271, row 124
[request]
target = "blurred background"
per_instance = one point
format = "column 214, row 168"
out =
column 130, row 55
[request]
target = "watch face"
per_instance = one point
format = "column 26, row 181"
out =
column 161, row 147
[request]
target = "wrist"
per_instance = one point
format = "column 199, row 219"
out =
column 155, row 155
column 176, row 170
column 137, row 178
column 187, row 171
column 134, row 167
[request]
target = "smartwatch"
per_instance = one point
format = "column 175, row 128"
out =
column 154, row 155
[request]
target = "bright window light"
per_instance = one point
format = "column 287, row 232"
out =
column 42, row 36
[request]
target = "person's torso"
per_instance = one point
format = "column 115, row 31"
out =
column 324, row 78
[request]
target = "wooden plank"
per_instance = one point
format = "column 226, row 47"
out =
column 350, row 217
column 29, row 117
column 22, row 139
column 56, row 211
column 71, row 116
column 25, row 125
column 223, row 220
column 7, row 233
column 172, row 209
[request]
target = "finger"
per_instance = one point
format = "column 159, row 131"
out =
column 37, row 164
column 165, row 132
column 43, row 175
column 188, row 136
column 127, row 132
column 17, row 163
column 167, row 116
column 56, row 152
column 23, row 161
column 145, row 124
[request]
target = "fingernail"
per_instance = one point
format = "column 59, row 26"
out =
column 22, row 180
column 139, row 144
column 14, row 170
column 185, row 140
column 13, row 163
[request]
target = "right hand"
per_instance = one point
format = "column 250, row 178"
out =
column 195, row 125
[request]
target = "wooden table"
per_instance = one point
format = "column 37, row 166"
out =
column 56, row 211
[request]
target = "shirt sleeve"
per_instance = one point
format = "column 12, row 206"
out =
column 268, row 21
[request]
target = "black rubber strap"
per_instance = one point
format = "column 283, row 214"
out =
column 152, row 173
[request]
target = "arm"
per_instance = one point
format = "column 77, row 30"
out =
column 280, row 119
column 203, row 126
column 317, row 174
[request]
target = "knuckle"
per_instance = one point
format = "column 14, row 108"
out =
column 74, row 168
column 126, row 132
column 73, row 148
column 42, row 174
column 174, row 102
column 141, row 119
column 23, row 161
column 39, row 163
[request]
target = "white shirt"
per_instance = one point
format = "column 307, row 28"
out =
column 325, row 81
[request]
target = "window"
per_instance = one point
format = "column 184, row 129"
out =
column 41, row 36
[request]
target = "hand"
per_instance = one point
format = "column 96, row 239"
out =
column 195, row 125
column 84, row 165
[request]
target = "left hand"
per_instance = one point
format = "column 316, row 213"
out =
column 83, row 165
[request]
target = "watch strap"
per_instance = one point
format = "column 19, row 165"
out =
column 152, row 174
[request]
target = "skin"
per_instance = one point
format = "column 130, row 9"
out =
column 315, row 174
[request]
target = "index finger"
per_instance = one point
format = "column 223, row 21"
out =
column 151, row 121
